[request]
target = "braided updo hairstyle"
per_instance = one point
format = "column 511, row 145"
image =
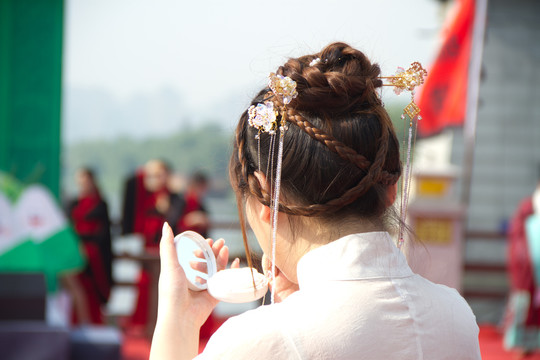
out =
column 340, row 152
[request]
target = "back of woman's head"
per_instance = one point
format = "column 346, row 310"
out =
column 340, row 152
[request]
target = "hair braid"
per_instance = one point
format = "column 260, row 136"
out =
column 344, row 151
column 373, row 175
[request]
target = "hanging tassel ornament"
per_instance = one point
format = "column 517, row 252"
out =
column 407, row 174
column 275, row 206
column 265, row 118
column 407, row 80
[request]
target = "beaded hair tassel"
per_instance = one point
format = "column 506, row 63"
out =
column 265, row 118
column 407, row 80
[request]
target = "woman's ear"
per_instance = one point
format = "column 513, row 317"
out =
column 391, row 194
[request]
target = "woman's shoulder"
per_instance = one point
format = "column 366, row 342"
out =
column 443, row 308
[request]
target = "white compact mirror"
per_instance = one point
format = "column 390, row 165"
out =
column 231, row 285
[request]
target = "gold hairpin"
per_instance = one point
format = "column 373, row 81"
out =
column 407, row 80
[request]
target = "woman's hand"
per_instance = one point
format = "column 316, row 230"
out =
column 282, row 286
column 181, row 312
column 174, row 294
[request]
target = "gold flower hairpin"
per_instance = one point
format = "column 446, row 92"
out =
column 283, row 87
column 407, row 80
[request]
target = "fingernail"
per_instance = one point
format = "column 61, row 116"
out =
column 164, row 229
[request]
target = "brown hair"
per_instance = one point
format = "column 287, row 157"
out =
column 340, row 149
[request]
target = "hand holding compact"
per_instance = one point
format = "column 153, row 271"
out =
column 234, row 285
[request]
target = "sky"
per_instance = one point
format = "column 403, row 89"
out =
column 208, row 58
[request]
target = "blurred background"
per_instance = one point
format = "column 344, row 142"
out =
column 137, row 90
column 138, row 73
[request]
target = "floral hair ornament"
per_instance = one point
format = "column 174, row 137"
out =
column 265, row 118
column 407, row 80
column 283, row 87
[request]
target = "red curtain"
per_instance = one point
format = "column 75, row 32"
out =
column 442, row 98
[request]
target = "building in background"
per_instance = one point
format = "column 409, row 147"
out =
column 507, row 148
column 507, row 152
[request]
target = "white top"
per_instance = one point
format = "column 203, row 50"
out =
column 358, row 299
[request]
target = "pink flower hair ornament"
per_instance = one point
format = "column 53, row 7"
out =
column 263, row 117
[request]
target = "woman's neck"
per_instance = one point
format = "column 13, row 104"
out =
column 323, row 232
column 307, row 234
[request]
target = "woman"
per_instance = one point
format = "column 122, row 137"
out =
column 90, row 217
column 343, row 289
column 522, row 327
column 148, row 202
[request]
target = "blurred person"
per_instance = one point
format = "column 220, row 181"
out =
column 148, row 202
column 89, row 215
column 522, row 323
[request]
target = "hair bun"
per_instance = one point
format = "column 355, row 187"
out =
column 343, row 80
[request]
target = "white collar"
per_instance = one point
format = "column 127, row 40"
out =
column 353, row 257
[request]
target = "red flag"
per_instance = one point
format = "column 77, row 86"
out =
column 442, row 99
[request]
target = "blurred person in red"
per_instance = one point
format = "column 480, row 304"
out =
column 522, row 324
column 148, row 203
column 89, row 215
